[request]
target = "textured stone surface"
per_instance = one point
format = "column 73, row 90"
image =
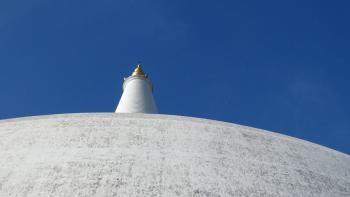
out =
column 111, row 154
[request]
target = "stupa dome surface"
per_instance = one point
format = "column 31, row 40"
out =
column 108, row 154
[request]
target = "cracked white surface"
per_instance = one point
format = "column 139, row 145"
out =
column 107, row 154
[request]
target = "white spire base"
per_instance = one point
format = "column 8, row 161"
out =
column 137, row 96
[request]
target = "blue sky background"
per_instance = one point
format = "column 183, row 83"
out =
column 277, row 65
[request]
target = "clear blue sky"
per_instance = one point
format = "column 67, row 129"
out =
column 278, row 65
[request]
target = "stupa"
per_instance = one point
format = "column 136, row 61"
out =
column 137, row 152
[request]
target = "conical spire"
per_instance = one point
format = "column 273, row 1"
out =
column 138, row 71
column 137, row 94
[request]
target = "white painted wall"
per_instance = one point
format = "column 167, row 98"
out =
column 137, row 96
column 115, row 154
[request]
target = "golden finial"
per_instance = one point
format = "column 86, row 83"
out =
column 138, row 71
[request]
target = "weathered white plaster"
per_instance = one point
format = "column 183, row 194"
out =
column 137, row 96
column 112, row 154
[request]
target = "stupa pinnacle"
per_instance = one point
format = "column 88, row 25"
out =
column 138, row 71
column 137, row 94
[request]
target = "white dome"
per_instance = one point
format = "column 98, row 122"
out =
column 110, row 154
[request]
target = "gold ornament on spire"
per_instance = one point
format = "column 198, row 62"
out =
column 138, row 71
